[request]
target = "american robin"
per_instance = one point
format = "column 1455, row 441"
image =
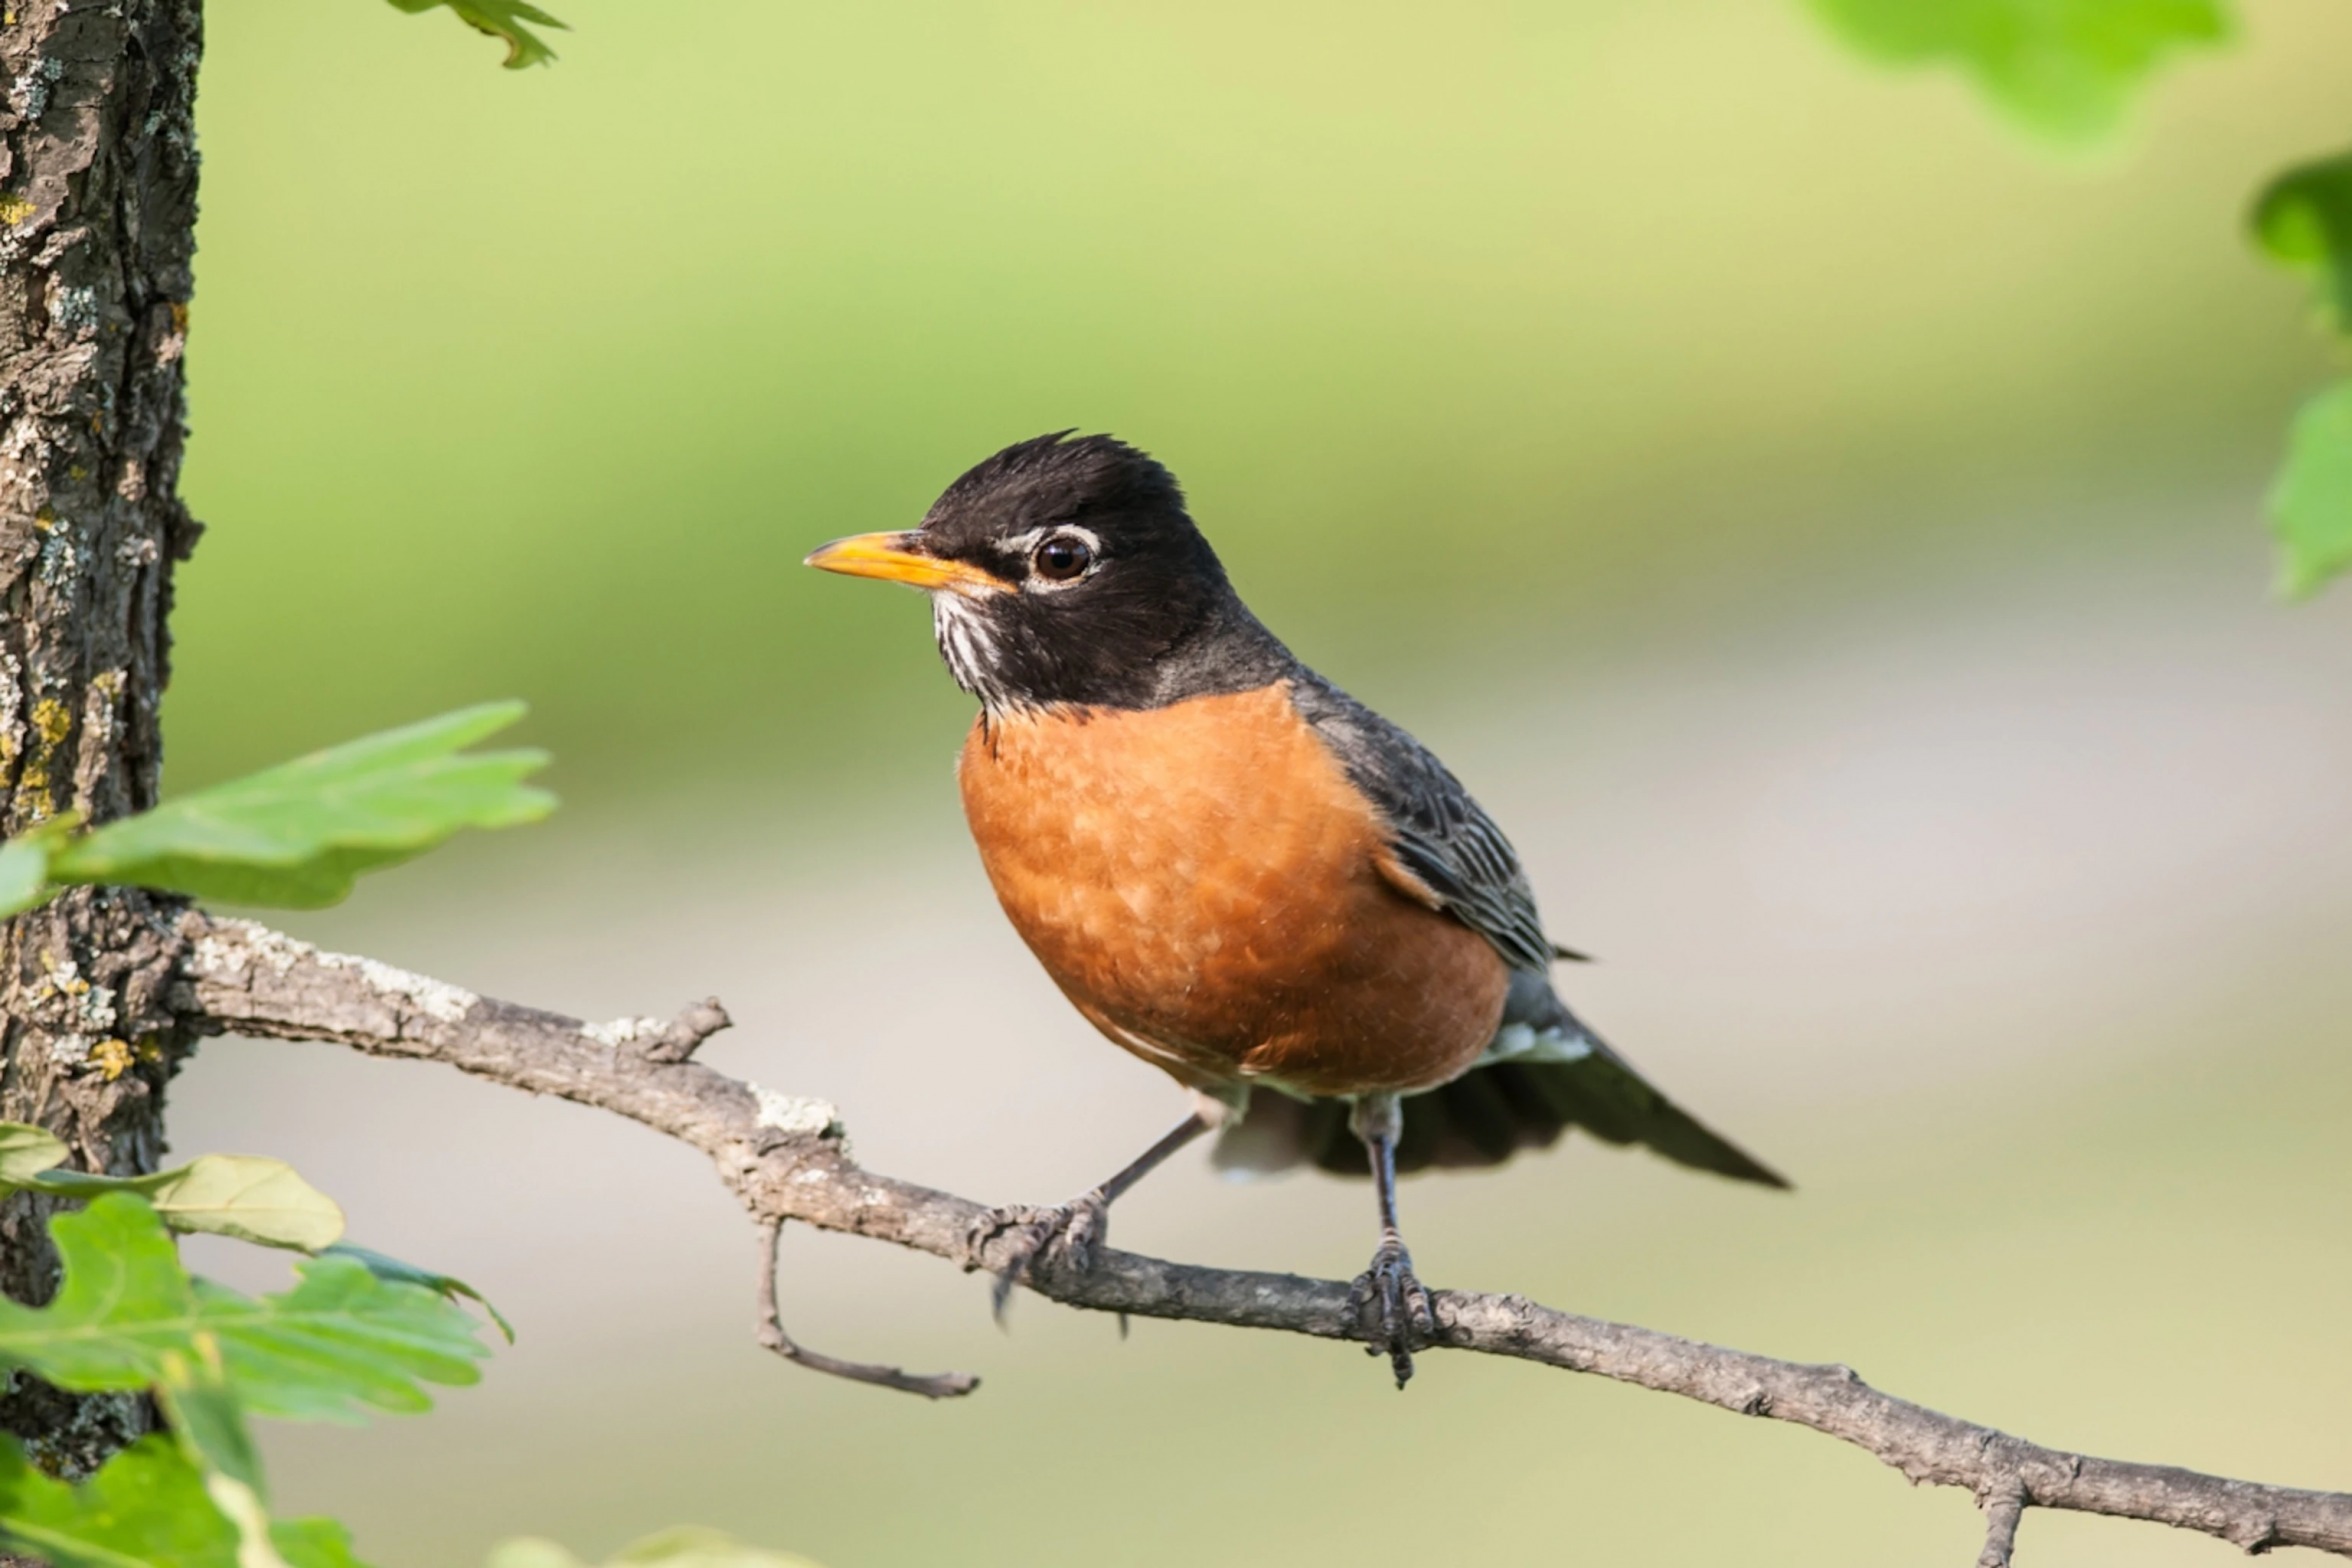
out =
column 1237, row 871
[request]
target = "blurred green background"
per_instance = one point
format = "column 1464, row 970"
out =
column 1480, row 327
column 1823, row 525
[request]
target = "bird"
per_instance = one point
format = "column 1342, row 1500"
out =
column 1238, row 872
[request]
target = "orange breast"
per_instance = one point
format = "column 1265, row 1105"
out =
column 1204, row 884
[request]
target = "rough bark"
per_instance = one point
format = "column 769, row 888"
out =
column 787, row 1159
column 97, row 236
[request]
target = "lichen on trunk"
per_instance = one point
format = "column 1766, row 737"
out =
column 97, row 238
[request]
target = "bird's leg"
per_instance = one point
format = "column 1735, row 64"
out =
column 1389, row 1300
column 1071, row 1231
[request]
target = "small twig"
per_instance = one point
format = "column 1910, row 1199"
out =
column 2003, row 1508
column 687, row 1031
column 771, row 1335
column 784, row 1163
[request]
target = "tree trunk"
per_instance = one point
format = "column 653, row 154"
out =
column 97, row 233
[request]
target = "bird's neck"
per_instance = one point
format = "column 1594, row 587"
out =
column 1224, row 650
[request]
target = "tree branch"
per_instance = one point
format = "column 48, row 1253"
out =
column 787, row 1159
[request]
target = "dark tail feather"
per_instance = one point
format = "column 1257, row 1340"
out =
column 1486, row 1116
column 1601, row 1094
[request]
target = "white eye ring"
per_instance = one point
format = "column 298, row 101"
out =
column 1028, row 545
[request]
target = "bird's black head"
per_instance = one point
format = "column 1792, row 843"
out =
column 1068, row 572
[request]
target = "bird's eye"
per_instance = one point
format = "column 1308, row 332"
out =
column 1062, row 559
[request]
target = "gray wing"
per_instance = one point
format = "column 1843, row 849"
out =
column 1546, row 1072
column 1439, row 833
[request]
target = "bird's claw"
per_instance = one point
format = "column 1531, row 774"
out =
column 1062, row 1234
column 1394, row 1307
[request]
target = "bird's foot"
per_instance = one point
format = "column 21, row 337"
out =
column 1394, row 1308
column 1064, row 1234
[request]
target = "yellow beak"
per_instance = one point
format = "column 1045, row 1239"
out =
column 900, row 558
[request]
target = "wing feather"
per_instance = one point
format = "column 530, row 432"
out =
column 1439, row 834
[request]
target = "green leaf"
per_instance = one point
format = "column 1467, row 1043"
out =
column 2311, row 501
column 2303, row 219
column 314, row 1543
column 24, row 876
column 687, row 1547
column 204, row 1415
column 2065, row 69
column 340, row 1341
column 500, row 19
column 24, row 865
column 145, row 1508
column 695, row 1548
column 26, row 1151
column 298, row 834
column 206, row 1419
column 126, row 1315
column 531, row 1552
column 446, row 1285
column 247, row 1196
column 210, row 1428
column 124, row 1302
